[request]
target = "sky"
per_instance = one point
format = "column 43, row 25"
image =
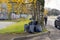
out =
column 53, row 4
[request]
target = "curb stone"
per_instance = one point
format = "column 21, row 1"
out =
column 31, row 36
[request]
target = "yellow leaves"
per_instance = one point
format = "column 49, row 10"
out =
column 9, row 7
column 30, row 1
column 24, row 8
column 34, row 1
column 0, row 1
column 14, row 0
column 20, row 1
column 45, row 11
column 4, row 1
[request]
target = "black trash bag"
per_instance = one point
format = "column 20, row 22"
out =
column 26, row 28
column 34, row 22
column 38, row 28
column 35, row 28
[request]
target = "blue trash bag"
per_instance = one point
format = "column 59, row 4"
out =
column 34, row 22
column 26, row 28
column 38, row 28
column 31, row 28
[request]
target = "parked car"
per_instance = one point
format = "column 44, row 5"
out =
column 57, row 22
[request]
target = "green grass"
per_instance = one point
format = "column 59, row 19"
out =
column 18, row 27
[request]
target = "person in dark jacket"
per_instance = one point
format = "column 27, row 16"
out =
column 45, row 19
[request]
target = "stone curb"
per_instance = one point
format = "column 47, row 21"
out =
column 31, row 36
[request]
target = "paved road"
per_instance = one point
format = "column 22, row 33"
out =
column 5, row 24
column 54, row 33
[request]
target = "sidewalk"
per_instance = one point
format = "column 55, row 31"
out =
column 5, row 24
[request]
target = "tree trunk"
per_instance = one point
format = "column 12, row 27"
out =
column 38, row 11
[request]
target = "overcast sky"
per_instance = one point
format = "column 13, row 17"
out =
column 52, row 4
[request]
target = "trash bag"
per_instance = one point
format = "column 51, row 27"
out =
column 34, row 22
column 35, row 28
column 38, row 28
column 31, row 28
column 26, row 28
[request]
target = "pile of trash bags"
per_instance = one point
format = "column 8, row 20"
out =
column 32, row 27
